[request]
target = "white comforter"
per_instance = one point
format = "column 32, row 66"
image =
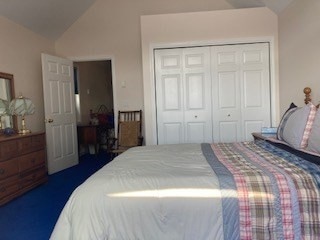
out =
column 153, row 192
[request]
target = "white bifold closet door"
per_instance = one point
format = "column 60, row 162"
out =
column 183, row 95
column 212, row 94
column 240, row 91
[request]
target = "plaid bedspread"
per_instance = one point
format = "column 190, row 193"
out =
column 267, row 193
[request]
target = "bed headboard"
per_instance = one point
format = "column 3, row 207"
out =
column 307, row 92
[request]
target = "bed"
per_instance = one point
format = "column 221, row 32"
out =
column 248, row 190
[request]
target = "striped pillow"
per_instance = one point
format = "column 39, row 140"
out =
column 310, row 121
column 314, row 139
column 295, row 126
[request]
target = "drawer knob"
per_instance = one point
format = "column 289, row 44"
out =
column 2, row 189
column 2, row 171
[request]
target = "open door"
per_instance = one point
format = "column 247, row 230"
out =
column 60, row 113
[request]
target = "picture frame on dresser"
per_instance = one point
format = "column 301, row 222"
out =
column 7, row 94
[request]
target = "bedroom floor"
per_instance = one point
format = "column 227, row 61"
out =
column 34, row 214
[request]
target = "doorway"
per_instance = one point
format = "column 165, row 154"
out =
column 94, row 99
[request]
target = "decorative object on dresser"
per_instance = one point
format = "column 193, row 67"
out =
column 22, row 164
column 3, row 110
column 7, row 94
column 20, row 107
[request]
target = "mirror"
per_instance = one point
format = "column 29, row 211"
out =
column 7, row 93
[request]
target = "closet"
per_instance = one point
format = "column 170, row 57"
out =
column 212, row 93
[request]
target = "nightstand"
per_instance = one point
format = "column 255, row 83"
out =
column 263, row 136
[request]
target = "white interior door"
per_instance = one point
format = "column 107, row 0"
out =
column 60, row 114
column 183, row 95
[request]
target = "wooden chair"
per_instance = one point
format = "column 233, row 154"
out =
column 129, row 132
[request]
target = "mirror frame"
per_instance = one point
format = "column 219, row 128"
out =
column 9, row 77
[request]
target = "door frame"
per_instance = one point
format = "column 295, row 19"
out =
column 274, row 84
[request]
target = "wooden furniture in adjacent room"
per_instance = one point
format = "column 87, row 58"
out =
column 88, row 135
column 22, row 164
column 129, row 132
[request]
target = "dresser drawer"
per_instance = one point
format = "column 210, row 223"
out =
column 8, row 188
column 37, row 142
column 9, row 168
column 25, row 145
column 31, row 143
column 8, row 149
column 31, row 178
column 31, row 160
column 22, row 164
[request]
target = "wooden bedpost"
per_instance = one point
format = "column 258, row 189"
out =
column 307, row 92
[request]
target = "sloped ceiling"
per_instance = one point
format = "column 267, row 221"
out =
column 51, row 18
column 275, row 5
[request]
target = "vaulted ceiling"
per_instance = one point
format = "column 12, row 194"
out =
column 275, row 5
column 50, row 18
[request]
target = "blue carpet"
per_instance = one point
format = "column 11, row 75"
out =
column 34, row 214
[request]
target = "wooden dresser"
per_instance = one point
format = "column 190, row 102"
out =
column 22, row 164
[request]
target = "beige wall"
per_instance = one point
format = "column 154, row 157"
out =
column 21, row 56
column 299, row 39
column 226, row 26
column 112, row 29
column 95, row 87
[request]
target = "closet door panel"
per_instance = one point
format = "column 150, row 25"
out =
column 250, row 127
column 226, row 56
column 196, row 132
column 252, row 55
column 252, row 85
column 183, row 95
column 172, row 133
column 256, row 108
column 229, row 131
column 226, row 105
column 241, row 90
column 227, row 90
column 169, row 96
column 197, row 89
